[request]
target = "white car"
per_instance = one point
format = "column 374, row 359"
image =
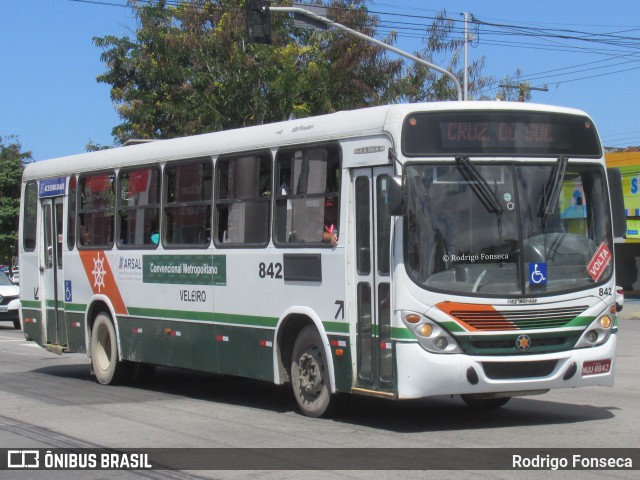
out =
column 9, row 301
column 15, row 275
column 619, row 298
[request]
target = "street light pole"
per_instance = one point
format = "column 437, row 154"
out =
column 466, row 55
column 330, row 23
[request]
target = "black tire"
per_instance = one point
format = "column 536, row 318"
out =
column 16, row 324
column 106, row 366
column 309, row 376
column 484, row 403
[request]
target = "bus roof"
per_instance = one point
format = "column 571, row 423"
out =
column 344, row 124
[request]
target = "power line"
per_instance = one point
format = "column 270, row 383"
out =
column 494, row 34
column 98, row 2
column 618, row 47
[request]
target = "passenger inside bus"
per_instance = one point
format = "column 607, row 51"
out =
column 330, row 232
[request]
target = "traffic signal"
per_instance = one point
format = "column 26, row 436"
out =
column 258, row 18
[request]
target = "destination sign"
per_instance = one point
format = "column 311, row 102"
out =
column 499, row 133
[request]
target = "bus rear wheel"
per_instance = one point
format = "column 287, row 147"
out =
column 309, row 376
column 105, row 364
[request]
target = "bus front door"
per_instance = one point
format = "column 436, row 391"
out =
column 375, row 351
column 51, row 272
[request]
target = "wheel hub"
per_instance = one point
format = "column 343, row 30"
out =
column 308, row 372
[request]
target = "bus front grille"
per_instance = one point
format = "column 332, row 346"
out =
column 543, row 342
column 493, row 320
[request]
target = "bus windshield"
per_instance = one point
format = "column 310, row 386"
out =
column 509, row 229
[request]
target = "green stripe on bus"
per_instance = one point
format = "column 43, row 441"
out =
column 580, row 322
column 30, row 304
column 170, row 314
column 248, row 320
column 52, row 303
column 336, row 327
column 229, row 318
column 402, row 334
column 225, row 318
column 75, row 307
column 452, row 327
column 72, row 307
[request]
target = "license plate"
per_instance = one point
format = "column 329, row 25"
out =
column 595, row 367
column 4, row 308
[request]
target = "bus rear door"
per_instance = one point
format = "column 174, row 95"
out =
column 52, row 293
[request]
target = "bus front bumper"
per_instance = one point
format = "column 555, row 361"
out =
column 424, row 374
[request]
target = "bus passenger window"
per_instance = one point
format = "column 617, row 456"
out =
column 96, row 212
column 71, row 220
column 30, row 216
column 187, row 211
column 243, row 196
column 139, row 207
column 308, row 196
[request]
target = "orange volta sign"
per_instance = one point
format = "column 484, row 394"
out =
column 599, row 262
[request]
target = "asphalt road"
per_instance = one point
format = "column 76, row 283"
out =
column 50, row 401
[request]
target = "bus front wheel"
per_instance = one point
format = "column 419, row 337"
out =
column 309, row 373
column 105, row 364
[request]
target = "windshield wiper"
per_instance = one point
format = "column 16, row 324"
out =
column 553, row 187
column 479, row 185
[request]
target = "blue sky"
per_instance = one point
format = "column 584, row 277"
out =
column 50, row 99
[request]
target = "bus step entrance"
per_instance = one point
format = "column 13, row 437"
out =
column 373, row 393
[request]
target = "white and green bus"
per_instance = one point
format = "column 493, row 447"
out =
column 399, row 251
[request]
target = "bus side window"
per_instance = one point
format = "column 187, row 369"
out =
column 308, row 195
column 187, row 211
column 97, row 210
column 71, row 207
column 30, row 216
column 243, row 196
column 139, row 207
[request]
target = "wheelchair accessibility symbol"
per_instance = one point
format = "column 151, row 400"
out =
column 537, row 274
column 68, row 292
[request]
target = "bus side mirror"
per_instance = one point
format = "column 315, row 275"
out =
column 617, row 203
column 396, row 198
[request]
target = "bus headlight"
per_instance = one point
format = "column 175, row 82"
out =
column 431, row 336
column 597, row 333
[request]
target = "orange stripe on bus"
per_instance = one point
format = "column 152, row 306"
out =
column 101, row 279
column 495, row 320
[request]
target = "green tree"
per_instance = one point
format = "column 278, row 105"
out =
column 188, row 70
column 443, row 47
column 12, row 161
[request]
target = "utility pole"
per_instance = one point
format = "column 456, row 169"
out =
column 466, row 56
column 523, row 88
